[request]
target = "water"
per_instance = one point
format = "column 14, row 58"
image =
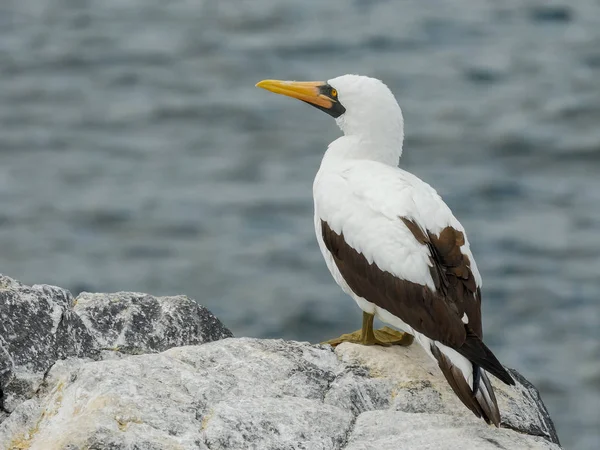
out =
column 136, row 154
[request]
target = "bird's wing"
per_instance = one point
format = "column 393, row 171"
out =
column 397, row 244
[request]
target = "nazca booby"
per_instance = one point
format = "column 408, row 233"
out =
column 392, row 244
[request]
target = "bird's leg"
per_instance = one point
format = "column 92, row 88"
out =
column 385, row 336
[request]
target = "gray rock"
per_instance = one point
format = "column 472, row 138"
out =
column 541, row 427
column 396, row 430
column 37, row 327
column 42, row 324
column 266, row 394
column 419, row 388
column 140, row 323
column 85, row 373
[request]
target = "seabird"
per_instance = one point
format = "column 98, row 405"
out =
column 392, row 244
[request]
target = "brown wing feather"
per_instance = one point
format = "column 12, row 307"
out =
column 437, row 315
column 451, row 271
column 415, row 304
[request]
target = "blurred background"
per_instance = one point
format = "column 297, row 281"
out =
column 136, row 154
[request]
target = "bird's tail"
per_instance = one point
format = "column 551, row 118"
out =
column 469, row 382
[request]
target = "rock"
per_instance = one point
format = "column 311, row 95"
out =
column 419, row 388
column 141, row 323
column 86, row 373
column 37, row 327
column 42, row 324
column 397, row 430
column 267, row 394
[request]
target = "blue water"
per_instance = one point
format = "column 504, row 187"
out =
column 136, row 154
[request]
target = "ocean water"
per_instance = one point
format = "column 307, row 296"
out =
column 136, row 154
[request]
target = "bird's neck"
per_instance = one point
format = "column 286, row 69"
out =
column 370, row 135
column 384, row 149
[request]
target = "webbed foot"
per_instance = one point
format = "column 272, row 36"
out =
column 385, row 336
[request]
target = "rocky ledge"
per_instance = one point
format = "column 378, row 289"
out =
column 132, row 371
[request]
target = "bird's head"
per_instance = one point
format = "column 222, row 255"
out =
column 362, row 106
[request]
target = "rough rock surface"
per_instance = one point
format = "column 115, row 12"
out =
column 266, row 394
column 42, row 324
column 141, row 323
column 86, row 373
column 37, row 327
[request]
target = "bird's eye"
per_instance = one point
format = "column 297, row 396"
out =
column 333, row 93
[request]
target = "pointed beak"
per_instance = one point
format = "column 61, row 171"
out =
column 317, row 93
column 307, row 91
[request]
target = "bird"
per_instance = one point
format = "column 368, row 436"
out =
column 391, row 242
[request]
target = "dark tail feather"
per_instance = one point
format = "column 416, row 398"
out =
column 480, row 400
column 487, row 400
column 476, row 351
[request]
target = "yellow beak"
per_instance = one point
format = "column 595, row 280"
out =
column 307, row 91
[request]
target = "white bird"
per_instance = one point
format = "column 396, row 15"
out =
column 392, row 244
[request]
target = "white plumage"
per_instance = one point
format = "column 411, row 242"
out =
column 360, row 192
column 362, row 195
column 363, row 200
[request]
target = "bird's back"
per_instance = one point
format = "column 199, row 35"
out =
column 365, row 200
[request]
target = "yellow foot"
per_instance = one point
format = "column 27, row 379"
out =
column 389, row 336
column 355, row 338
column 385, row 336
